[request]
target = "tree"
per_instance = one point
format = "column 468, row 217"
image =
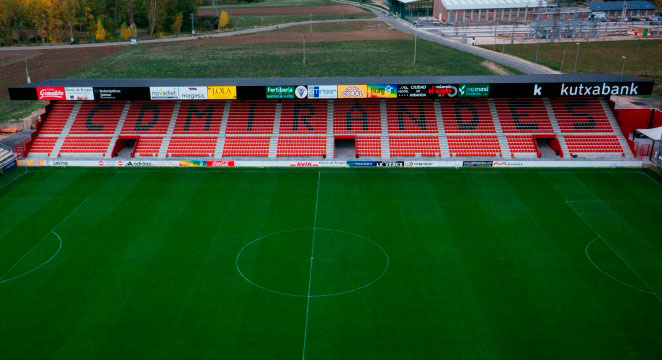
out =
column 101, row 31
column 156, row 14
column 223, row 20
column 177, row 25
column 125, row 32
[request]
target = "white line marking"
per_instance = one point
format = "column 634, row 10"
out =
column 14, row 179
column 36, row 268
column 310, row 275
column 614, row 250
column 606, row 273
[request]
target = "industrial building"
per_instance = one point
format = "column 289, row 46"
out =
column 486, row 11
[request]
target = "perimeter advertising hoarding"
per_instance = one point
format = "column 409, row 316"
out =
column 635, row 88
column 121, row 93
column 222, row 92
column 79, row 93
column 384, row 91
column 473, row 90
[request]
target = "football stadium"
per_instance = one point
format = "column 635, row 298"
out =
column 288, row 183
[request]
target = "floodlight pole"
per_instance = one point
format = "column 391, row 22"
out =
column 193, row 24
column 574, row 71
column 537, row 49
column 623, row 67
column 415, row 41
column 27, row 72
column 311, row 22
column 562, row 60
column 304, row 48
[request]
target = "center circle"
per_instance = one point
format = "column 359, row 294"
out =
column 342, row 262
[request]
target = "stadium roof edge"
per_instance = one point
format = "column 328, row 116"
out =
column 343, row 80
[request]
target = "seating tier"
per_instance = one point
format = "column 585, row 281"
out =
column 195, row 117
column 356, row 117
column 581, row 115
column 411, row 116
column 246, row 146
column 467, row 116
column 414, row 146
column 301, row 146
column 474, row 146
column 251, row 117
column 187, row 146
column 523, row 116
column 303, row 117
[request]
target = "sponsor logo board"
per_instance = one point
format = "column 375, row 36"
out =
column 357, row 163
column 413, row 90
column 280, row 92
column 164, row 93
column 193, row 93
column 305, row 164
column 301, row 92
column 220, row 163
column 352, row 91
column 322, row 91
column 473, row 90
column 391, row 163
column 508, row 164
column 50, row 93
column 79, row 93
column 419, row 163
column 222, row 92
column 439, row 91
column 389, row 91
column 477, row 163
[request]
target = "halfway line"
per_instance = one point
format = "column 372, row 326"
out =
column 310, row 274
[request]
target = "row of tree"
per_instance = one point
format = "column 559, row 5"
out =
column 56, row 20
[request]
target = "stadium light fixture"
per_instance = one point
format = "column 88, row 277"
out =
column 623, row 67
column 574, row 71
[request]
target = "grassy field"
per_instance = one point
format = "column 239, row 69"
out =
column 331, row 264
column 597, row 57
column 337, row 58
column 241, row 22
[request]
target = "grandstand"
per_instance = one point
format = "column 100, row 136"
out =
column 390, row 119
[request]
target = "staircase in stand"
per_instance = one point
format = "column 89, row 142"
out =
column 273, row 144
column 330, row 143
column 617, row 129
column 118, row 129
column 65, row 131
column 503, row 142
column 386, row 149
column 557, row 128
column 443, row 140
column 171, row 128
column 221, row 133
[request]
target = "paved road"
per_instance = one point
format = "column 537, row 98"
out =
column 188, row 38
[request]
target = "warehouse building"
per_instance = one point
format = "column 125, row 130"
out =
column 486, row 11
column 617, row 9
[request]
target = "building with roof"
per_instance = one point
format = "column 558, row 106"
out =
column 615, row 9
column 486, row 11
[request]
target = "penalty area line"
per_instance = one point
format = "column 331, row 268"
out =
column 613, row 250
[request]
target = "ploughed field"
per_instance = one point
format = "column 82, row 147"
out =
column 330, row 264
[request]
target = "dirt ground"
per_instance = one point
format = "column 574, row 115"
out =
column 310, row 37
column 286, row 10
column 46, row 64
column 495, row 68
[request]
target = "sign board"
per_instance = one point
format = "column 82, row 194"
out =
column 121, row 93
column 352, row 91
column 164, row 93
column 79, row 93
column 50, row 93
column 322, row 91
column 473, row 90
column 279, row 92
column 222, row 92
column 193, row 93
column 412, row 91
column 385, row 91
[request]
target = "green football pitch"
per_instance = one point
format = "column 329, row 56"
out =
column 330, row 264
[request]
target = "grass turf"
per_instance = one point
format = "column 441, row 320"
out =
column 476, row 264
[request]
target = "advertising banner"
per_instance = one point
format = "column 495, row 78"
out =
column 412, row 91
column 79, row 93
column 193, row 93
column 477, row 163
column 419, row 164
column 280, row 92
column 222, row 92
column 322, row 91
column 220, row 163
column 164, row 93
column 121, row 93
column 50, row 93
column 473, row 90
column 386, row 91
column 358, row 163
column 636, row 88
column 391, row 163
column 442, row 91
column 352, row 91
